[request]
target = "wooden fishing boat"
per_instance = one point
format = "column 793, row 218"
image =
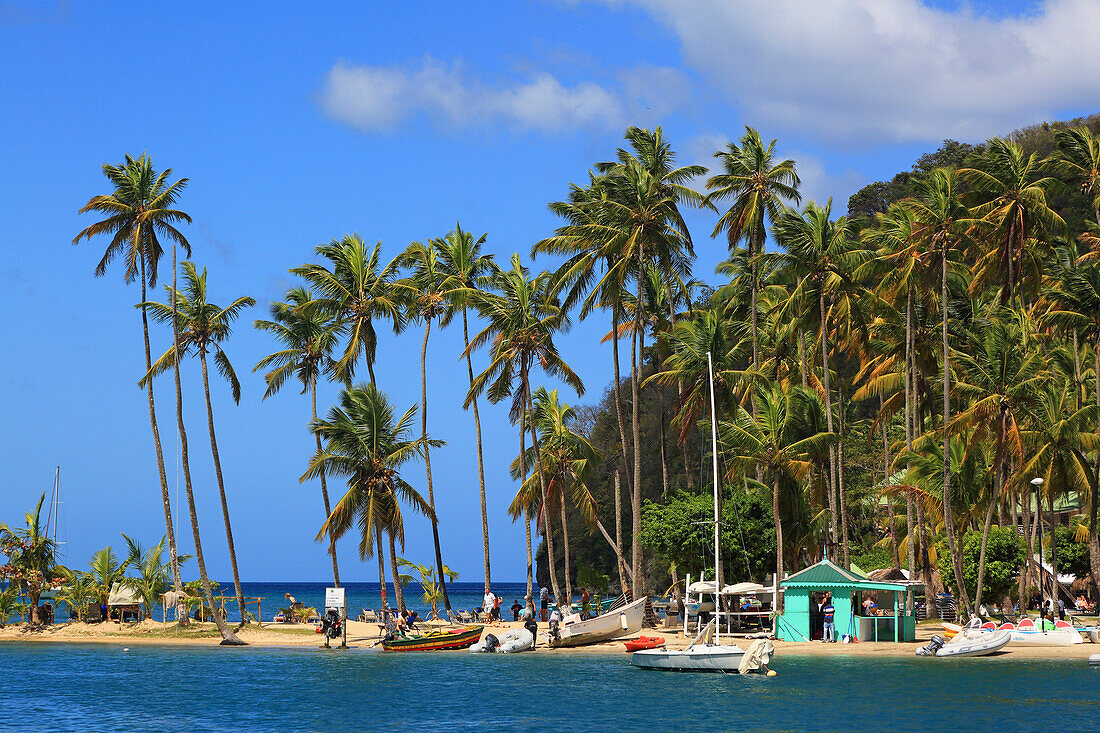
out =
column 436, row 641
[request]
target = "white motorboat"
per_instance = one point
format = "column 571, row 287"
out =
column 1026, row 632
column 506, row 642
column 1094, row 633
column 970, row 642
column 704, row 655
column 622, row 621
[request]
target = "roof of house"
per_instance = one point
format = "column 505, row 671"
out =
column 827, row 575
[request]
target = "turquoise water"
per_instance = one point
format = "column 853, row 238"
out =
column 102, row 687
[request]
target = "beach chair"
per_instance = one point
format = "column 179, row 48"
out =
column 368, row 616
column 465, row 616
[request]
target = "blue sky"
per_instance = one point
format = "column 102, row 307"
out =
column 299, row 123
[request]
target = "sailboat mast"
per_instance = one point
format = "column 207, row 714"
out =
column 714, row 467
column 56, row 488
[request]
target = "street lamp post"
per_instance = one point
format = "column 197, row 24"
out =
column 1037, row 482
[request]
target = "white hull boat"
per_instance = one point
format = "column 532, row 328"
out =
column 1094, row 634
column 506, row 642
column 1058, row 637
column 968, row 643
column 623, row 621
column 703, row 655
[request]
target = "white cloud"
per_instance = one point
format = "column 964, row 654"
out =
column 820, row 184
column 375, row 97
column 890, row 70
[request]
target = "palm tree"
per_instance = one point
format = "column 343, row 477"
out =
column 425, row 295
column 941, row 223
column 999, row 378
column 464, row 268
column 1010, row 193
column 364, row 443
column 356, row 290
column 432, row 593
column 32, row 558
column 568, row 459
column 203, row 326
column 139, row 214
column 523, row 318
column 78, row 592
column 821, row 254
column 1075, row 307
column 641, row 214
column 309, row 337
column 106, row 571
column 778, row 440
column 1079, row 156
column 758, row 185
column 152, row 578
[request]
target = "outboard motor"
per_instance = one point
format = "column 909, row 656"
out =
column 492, row 643
column 932, row 647
column 330, row 624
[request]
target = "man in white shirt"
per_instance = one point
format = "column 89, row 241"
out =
column 487, row 604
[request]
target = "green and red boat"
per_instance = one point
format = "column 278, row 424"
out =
column 435, row 641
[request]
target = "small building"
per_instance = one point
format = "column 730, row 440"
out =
column 865, row 609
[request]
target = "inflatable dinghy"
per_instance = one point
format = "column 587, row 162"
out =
column 512, row 640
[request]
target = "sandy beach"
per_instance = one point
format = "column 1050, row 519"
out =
column 367, row 635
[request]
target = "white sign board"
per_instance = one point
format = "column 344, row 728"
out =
column 334, row 597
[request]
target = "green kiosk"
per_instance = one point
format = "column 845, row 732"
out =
column 867, row 610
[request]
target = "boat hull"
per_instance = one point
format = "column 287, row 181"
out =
column 512, row 640
column 1060, row 637
column 448, row 641
column 624, row 621
column 718, row 658
column 975, row 645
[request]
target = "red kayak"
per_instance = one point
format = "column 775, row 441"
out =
column 645, row 642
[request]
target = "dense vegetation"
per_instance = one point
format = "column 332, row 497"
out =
column 888, row 383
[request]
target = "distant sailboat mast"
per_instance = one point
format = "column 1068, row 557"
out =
column 714, row 461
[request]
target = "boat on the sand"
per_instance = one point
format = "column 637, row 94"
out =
column 1027, row 632
column 644, row 642
column 971, row 640
column 704, row 655
column 435, row 641
column 506, row 642
column 618, row 622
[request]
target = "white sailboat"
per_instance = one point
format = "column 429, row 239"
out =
column 706, row 653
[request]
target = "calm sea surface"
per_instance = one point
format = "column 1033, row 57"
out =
column 153, row 688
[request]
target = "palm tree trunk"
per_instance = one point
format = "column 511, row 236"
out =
column 635, row 378
column 985, row 540
column 842, row 498
column 480, row 462
column 228, row 637
column 1094, row 500
column 617, row 392
column 619, row 532
column 1054, row 585
column 1078, row 386
column 428, row 467
column 398, row 591
column 221, row 490
column 895, row 557
column 379, row 545
column 526, row 509
column 324, row 484
column 778, row 603
column 754, row 288
column 547, row 528
column 169, row 529
column 911, row 539
column 948, row 517
column 828, row 414
column 565, row 543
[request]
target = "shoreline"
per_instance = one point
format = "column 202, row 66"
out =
column 364, row 636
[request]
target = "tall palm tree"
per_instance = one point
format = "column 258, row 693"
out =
column 523, row 317
column 203, row 326
column 357, row 289
column 758, row 185
column 1079, row 156
column 309, row 337
column 822, row 256
column 424, row 292
column 364, row 443
column 140, row 214
column 941, row 223
column 568, row 459
column 464, row 268
column 1010, row 195
column 780, row 441
column 642, row 215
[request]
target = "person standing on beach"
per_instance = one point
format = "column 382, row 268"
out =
column 828, row 613
column 544, row 601
column 487, row 605
column 516, row 608
column 497, row 600
column 586, row 599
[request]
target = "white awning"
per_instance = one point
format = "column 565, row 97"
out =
column 122, row 596
column 742, row 588
column 702, row 586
